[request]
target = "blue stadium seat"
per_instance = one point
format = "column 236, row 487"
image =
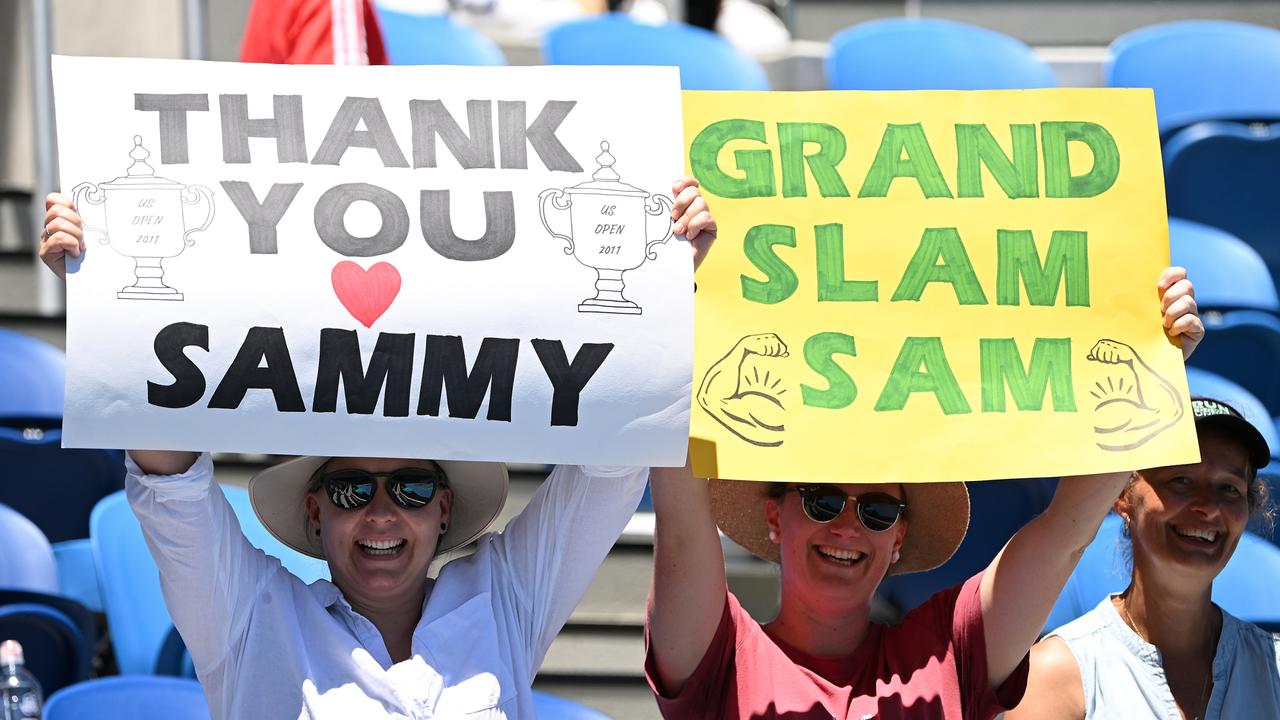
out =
column 1201, row 70
column 706, row 61
column 31, row 373
column 130, row 582
column 999, row 508
column 931, row 54
column 1228, row 273
column 129, row 698
column 77, row 575
column 434, row 39
column 1224, row 174
column 27, row 562
column 1244, row 346
column 550, row 707
column 1245, row 588
column 58, row 636
column 55, row 487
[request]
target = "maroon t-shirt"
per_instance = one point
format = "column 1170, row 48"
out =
column 931, row 665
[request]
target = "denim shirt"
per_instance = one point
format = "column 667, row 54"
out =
column 267, row 646
column 1123, row 675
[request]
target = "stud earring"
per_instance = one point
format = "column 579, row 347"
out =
column 896, row 556
column 773, row 536
column 317, row 532
column 1125, row 530
column 443, row 528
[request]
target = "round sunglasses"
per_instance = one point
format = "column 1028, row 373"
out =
column 410, row 487
column 876, row 511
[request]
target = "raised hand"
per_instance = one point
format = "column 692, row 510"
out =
column 1181, row 314
column 692, row 218
column 63, row 233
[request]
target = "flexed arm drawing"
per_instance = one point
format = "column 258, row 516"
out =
column 734, row 393
column 1137, row 406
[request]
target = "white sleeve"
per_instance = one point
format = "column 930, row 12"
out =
column 552, row 549
column 209, row 572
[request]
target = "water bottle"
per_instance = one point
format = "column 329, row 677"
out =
column 19, row 690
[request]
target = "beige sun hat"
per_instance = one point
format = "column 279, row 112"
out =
column 278, row 496
column 937, row 520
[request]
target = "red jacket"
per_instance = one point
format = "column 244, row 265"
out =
column 315, row 32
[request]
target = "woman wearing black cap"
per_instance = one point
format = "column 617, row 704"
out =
column 960, row 655
column 1162, row 648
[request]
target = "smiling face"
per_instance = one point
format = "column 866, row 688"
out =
column 1186, row 520
column 832, row 567
column 381, row 550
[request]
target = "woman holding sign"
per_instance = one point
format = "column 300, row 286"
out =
column 962, row 654
column 383, row 639
column 1162, row 648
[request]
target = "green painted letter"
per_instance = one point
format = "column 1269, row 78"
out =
column 941, row 244
column 1068, row 257
column 758, row 247
column 919, row 163
column 1019, row 177
column 1056, row 137
column 831, row 147
column 832, row 284
column 907, row 377
column 756, row 165
column 840, row 390
column 1050, row 368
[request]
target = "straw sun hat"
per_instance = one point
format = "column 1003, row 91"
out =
column 937, row 519
column 278, row 496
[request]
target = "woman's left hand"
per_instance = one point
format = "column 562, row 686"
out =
column 692, row 218
column 1181, row 315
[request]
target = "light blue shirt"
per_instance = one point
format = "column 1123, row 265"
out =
column 267, row 646
column 1123, row 675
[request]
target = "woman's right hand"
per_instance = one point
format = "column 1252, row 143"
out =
column 63, row 233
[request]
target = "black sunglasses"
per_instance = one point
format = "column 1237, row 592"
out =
column 410, row 487
column 876, row 511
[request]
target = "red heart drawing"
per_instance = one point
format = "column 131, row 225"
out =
column 366, row 294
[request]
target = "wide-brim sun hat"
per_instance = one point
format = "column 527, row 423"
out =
column 278, row 495
column 937, row 520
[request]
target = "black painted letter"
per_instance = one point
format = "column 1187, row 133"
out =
column 188, row 381
column 569, row 379
column 391, row 364
column 445, row 367
column 247, row 371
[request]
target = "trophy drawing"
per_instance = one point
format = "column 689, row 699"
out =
column 144, row 217
column 608, row 230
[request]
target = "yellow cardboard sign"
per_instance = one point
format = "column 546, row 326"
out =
column 932, row 286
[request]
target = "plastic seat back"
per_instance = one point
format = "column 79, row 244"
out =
column 999, row 508
column 550, row 707
column 54, row 487
column 32, row 373
column 1245, row 587
column 27, row 562
column 130, row 584
column 706, row 61
column 1201, row 70
column 434, row 39
column 53, row 635
column 129, row 698
column 130, row 581
column 1228, row 274
column 931, row 54
column 1244, row 346
column 1224, row 174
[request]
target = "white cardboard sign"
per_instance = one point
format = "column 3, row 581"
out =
column 449, row 262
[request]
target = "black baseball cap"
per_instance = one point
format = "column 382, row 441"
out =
column 1211, row 412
